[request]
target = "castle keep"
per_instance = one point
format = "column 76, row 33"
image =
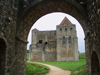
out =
column 57, row 45
column 18, row 16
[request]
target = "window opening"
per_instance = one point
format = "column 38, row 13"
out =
column 46, row 43
column 63, row 40
column 40, row 41
column 60, row 29
column 65, row 29
column 69, row 40
column 70, row 29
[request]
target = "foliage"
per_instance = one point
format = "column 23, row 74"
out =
column 32, row 70
column 79, row 71
column 82, row 56
column 27, row 56
column 27, row 51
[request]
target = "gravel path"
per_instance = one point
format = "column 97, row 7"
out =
column 55, row 70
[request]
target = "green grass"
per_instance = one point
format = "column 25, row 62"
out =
column 79, row 71
column 32, row 70
column 40, row 65
column 73, row 66
column 70, row 65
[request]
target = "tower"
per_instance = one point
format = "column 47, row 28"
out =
column 67, row 45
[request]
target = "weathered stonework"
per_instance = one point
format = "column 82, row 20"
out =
column 18, row 16
column 57, row 45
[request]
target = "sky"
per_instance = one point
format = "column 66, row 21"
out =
column 49, row 22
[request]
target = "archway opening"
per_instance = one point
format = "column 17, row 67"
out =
column 2, row 56
column 43, row 24
column 35, row 11
column 94, row 64
column 37, row 27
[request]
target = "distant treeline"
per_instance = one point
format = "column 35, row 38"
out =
column 27, row 51
column 82, row 56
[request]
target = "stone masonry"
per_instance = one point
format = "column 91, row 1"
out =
column 18, row 16
column 58, row 45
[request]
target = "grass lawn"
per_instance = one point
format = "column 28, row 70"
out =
column 39, row 65
column 76, row 67
column 32, row 70
column 70, row 65
column 79, row 71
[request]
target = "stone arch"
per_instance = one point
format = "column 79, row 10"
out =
column 32, row 14
column 2, row 56
column 37, row 10
column 94, row 64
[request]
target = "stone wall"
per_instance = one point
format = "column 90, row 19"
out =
column 51, row 56
column 8, row 19
column 43, row 43
column 87, row 14
column 46, row 36
column 92, row 37
column 37, row 56
column 67, row 43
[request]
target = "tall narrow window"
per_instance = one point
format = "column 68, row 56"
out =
column 69, row 40
column 60, row 29
column 71, row 29
column 63, row 40
column 65, row 29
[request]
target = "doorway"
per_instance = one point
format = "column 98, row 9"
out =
column 2, row 56
column 94, row 64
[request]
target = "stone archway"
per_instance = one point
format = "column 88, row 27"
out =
column 95, row 64
column 2, row 56
column 14, row 25
column 36, row 11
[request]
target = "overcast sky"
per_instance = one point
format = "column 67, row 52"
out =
column 49, row 22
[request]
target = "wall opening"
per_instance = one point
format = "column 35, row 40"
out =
column 2, row 56
column 63, row 40
column 40, row 41
column 94, row 64
column 47, row 27
column 49, row 22
column 46, row 43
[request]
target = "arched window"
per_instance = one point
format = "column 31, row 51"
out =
column 65, row 29
column 69, row 40
column 60, row 29
column 71, row 29
column 63, row 40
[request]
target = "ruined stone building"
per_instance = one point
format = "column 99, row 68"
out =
column 56, row 45
column 18, row 16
